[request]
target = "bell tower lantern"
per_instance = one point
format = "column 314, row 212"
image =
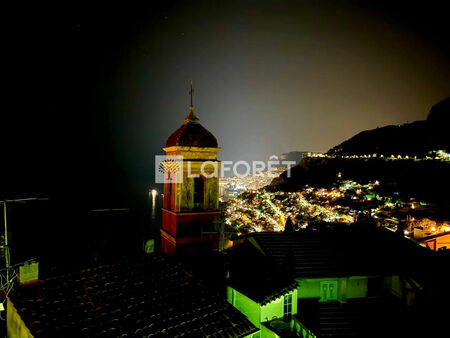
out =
column 191, row 195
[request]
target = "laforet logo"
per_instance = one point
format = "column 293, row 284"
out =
column 168, row 168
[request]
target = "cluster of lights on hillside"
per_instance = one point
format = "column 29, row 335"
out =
column 230, row 187
column 435, row 155
column 345, row 204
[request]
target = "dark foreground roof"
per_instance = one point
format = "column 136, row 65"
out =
column 265, row 265
column 149, row 296
column 256, row 275
column 352, row 252
column 359, row 317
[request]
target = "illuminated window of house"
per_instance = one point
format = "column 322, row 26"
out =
column 287, row 305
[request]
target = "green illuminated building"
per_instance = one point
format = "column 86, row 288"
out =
column 321, row 283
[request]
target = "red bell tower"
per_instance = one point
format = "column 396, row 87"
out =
column 191, row 190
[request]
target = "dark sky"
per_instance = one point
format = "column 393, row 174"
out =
column 93, row 92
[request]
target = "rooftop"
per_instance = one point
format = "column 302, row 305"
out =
column 360, row 317
column 148, row 296
column 192, row 133
column 347, row 252
column 256, row 275
column 266, row 264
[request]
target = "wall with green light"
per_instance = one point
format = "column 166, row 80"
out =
column 244, row 304
column 258, row 313
column 347, row 287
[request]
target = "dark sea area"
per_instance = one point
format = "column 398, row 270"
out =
column 66, row 236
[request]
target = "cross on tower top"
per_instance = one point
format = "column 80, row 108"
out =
column 191, row 92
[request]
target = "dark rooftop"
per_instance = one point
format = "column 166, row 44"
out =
column 266, row 264
column 360, row 317
column 149, row 296
column 192, row 133
column 256, row 275
column 349, row 252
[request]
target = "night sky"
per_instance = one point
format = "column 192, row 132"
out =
column 93, row 92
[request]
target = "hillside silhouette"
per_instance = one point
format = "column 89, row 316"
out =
column 416, row 138
column 424, row 179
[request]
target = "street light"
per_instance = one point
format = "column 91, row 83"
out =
column 153, row 193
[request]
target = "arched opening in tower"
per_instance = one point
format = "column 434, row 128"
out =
column 199, row 188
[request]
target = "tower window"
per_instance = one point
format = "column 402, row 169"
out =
column 199, row 188
column 170, row 195
column 168, row 192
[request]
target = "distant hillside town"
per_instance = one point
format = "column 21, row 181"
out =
column 373, row 177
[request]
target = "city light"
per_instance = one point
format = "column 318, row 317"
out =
column 154, row 192
column 435, row 155
column 261, row 210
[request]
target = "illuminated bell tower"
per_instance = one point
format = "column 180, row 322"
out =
column 191, row 191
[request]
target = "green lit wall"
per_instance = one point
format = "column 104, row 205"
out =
column 257, row 313
column 275, row 309
column 15, row 327
column 244, row 304
column 272, row 310
column 357, row 287
column 348, row 287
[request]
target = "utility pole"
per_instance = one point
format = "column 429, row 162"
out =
column 5, row 244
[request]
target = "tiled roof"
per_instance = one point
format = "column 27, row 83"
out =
column 340, row 253
column 192, row 133
column 359, row 317
column 313, row 253
column 149, row 296
column 256, row 276
column 278, row 292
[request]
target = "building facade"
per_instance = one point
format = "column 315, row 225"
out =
column 342, row 285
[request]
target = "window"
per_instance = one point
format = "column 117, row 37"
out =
column 375, row 286
column 198, row 192
column 329, row 291
column 170, row 194
column 287, row 305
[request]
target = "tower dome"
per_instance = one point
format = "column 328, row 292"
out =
column 192, row 134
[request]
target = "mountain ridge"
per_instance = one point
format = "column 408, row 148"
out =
column 415, row 138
